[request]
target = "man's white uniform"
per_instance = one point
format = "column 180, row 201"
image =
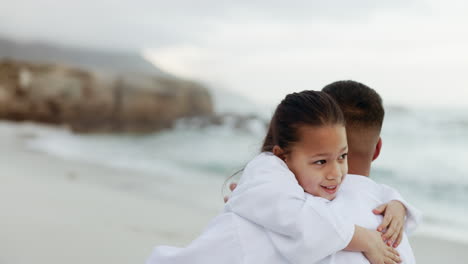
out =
column 357, row 197
column 269, row 219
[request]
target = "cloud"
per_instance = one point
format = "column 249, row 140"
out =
column 264, row 49
column 139, row 24
column 407, row 58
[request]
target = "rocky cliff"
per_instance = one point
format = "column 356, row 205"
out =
column 92, row 101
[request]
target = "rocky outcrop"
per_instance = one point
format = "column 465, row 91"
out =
column 234, row 121
column 96, row 101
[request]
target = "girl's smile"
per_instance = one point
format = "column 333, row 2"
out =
column 318, row 159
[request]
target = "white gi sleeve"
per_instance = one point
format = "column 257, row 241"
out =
column 269, row 195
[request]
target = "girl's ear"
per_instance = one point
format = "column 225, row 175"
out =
column 279, row 152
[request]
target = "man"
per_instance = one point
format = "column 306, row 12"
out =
column 364, row 115
column 234, row 238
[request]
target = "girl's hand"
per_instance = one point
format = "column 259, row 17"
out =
column 378, row 252
column 370, row 243
column 392, row 225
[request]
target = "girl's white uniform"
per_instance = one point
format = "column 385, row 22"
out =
column 270, row 219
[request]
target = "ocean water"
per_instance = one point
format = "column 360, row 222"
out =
column 424, row 155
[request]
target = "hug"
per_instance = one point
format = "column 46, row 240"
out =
column 307, row 196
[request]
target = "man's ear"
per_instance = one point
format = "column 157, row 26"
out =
column 279, row 152
column 378, row 147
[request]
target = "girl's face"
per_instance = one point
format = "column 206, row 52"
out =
column 318, row 160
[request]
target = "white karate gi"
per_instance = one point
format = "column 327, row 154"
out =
column 269, row 219
column 356, row 199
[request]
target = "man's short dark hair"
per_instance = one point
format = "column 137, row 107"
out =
column 362, row 106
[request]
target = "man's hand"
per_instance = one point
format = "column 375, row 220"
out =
column 232, row 186
column 392, row 225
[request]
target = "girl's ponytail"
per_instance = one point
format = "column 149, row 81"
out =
column 311, row 108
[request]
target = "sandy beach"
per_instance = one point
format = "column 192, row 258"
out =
column 62, row 211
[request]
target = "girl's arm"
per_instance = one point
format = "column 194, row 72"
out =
column 269, row 195
column 399, row 216
column 317, row 241
column 371, row 245
column 413, row 215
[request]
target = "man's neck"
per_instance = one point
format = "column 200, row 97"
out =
column 359, row 167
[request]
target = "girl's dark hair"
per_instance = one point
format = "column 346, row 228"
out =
column 311, row 108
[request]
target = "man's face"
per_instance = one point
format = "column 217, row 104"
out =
column 318, row 160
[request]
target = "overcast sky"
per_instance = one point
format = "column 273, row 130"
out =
column 413, row 52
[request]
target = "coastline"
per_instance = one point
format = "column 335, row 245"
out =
column 63, row 211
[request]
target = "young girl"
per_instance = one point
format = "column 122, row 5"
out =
column 269, row 218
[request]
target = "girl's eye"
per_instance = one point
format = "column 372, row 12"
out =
column 320, row 162
column 342, row 157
